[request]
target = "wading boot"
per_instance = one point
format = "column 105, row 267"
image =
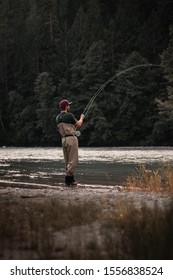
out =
column 68, row 181
column 73, row 181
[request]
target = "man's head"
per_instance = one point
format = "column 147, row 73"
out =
column 64, row 103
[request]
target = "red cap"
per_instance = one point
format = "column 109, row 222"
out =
column 63, row 103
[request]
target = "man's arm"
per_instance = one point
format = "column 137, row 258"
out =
column 80, row 121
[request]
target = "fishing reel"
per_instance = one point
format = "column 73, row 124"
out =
column 78, row 133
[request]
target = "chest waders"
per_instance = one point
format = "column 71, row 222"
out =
column 70, row 151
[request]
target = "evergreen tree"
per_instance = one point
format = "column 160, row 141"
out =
column 166, row 107
column 127, row 21
column 16, row 103
column 136, row 112
column 164, row 127
column 81, row 44
column 86, row 29
column 45, row 110
column 151, row 38
column 92, row 75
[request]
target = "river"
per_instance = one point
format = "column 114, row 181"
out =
column 97, row 166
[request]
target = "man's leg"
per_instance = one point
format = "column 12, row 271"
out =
column 70, row 150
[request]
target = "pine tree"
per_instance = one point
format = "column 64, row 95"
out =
column 127, row 22
column 135, row 93
column 151, row 37
column 163, row 130
column 166, row 106
column 45, row 110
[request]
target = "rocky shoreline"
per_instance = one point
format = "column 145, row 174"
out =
column 18, row 192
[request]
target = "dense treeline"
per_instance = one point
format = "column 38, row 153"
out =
column 54, row 49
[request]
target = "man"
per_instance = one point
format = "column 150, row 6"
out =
column 67, row 125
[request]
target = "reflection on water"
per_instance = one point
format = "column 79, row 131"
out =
column 103, row 166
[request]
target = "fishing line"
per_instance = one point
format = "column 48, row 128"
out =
column 90, row 103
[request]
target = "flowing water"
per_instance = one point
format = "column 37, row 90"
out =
column 97, row 166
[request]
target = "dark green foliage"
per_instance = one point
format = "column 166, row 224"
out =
column 79, row 45
column 165, row 103
column 135, row 95
column 45, row 107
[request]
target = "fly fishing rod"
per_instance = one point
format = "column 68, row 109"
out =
column 90, row 103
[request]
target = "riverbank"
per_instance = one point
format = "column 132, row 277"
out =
column 82, row 239
column 42, row 219
column 13, row 191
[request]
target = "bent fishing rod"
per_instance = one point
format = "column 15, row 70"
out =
column 90, row 103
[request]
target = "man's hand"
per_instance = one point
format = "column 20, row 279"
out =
column 79, row 123
column 82, row 116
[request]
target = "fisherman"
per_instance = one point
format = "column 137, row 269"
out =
column 67, row 125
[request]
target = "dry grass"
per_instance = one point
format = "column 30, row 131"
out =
column 127, row 232
column 30, row 226
column 144, row 233
column 159, row 180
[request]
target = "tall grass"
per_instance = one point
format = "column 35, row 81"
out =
column 30, row 226
column 159, row 180
column 144, row 233
column 125, row 232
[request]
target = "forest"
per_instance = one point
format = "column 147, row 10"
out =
column 56, row 49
